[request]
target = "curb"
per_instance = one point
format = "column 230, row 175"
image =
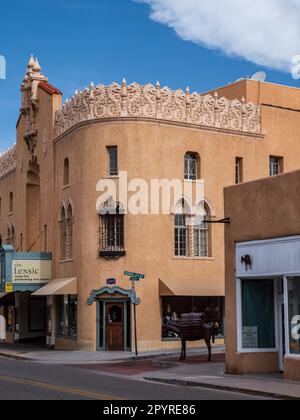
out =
column 227, row 388
column 13, row 356
column 164, row 364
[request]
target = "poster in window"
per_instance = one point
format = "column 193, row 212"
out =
column 250, row 337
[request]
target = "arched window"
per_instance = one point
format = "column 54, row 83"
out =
column 62, row 222
column 192, row 170
column 202, row 240
column 66, row 232
column 69, row 233
column 11, row 203
column 112, row 237
column 192, row 230
column 66, row 172
column 181, row 229
column 11, row 235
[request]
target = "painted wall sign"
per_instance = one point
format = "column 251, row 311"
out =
column 111, row 282
column 31, row 271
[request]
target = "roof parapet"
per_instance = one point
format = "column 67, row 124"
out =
column 8, row 161
column 149, row 101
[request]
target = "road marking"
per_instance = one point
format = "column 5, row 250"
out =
column 66, row 390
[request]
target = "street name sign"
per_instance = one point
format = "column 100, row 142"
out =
column 135, row 275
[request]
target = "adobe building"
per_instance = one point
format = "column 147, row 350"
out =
column 263, row 276
column 50, row 208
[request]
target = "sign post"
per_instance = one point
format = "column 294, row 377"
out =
column 134, row 277
column 134, row 315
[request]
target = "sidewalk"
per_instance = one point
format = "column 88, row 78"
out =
column 211, row 375
column 42, row 355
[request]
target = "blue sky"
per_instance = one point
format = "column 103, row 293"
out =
column 103, row 41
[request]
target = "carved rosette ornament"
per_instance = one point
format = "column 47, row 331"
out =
column 149, row 101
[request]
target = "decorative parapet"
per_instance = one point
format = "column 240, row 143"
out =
column 8, row 161
column 151, row 101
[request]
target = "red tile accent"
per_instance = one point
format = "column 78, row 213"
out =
column 49, row 88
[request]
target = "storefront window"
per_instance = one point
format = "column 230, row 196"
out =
column 174, row 307
column 294, row 314
column 67, row 316
column 258, row 314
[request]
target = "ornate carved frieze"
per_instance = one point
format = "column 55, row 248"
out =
column 8, row 161
column 151, row 101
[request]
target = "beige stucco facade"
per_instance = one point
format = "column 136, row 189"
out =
column 153, row 128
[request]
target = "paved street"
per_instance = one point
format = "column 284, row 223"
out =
column 21, row 380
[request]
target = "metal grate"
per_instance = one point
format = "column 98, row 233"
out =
column 112, row 234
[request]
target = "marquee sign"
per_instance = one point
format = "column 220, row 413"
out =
column 31, row 271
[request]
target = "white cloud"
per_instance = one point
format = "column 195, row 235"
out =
column 265, row 32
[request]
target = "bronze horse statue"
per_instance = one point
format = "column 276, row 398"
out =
column 194, row 327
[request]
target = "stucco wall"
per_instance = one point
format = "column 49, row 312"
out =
column 264, row 209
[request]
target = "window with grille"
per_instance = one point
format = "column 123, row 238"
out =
column 191, row 166
column 112, row 239
column 276, row 165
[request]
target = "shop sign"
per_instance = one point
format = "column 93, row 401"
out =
column 31, row 271
column 9, row 288
column 250, row 337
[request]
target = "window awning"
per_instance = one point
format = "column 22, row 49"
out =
column 58, row 287
column 185, row 287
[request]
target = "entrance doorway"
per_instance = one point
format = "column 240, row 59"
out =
column 115, row 326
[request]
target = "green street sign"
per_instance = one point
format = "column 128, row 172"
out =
column 135, row 279
column 135, row 275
